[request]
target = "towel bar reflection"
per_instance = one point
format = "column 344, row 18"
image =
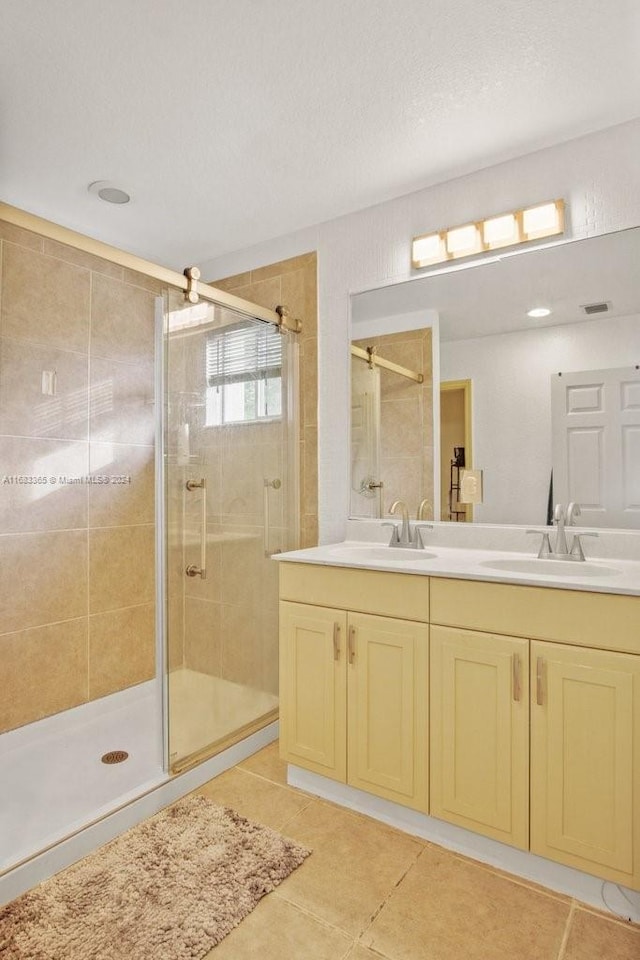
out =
column 193, row 570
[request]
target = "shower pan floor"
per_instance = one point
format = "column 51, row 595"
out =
column 54, row 782
column 204, row 709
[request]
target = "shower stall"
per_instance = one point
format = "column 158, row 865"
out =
column 148, row 473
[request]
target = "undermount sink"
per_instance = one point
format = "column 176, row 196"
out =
column 551, row 568
column 388, row 554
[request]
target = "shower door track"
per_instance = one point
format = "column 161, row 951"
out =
column 53, row 231
column 213, row 749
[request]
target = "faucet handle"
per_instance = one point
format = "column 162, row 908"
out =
column 576, row 544
column 545, row 546
column 559, row 513
column 417, row 527
column 573, row 511
column 394, row 536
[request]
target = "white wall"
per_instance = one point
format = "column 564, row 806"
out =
column 598, row 176
column 512, row 403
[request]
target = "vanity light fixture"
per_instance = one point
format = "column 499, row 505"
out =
column 464, row 241
column 538, row 312
column 505, row 230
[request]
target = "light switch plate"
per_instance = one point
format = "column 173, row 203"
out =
column 470, row 486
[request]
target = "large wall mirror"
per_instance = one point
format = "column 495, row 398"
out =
column 450, row 372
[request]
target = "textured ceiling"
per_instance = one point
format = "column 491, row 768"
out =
column 233, row 121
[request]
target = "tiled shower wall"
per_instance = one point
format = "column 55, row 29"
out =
column 406, row 419
column 76, row 559
column 294, row 283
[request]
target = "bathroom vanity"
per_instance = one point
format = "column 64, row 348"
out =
column 465, row 686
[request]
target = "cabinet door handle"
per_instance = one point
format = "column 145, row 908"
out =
column 516, row 676
column 352, row 644
column 336, row 641
column 540, row 681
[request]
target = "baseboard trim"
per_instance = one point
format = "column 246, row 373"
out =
column 603, row 895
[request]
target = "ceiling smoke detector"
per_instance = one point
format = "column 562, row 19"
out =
column 592, row 309
column 108, row 191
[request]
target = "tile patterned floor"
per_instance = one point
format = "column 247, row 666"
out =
column 370, row 892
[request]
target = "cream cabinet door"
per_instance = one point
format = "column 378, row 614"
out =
column 585, row 760
column 480, row 733
column 388, row 708
column 313, row 709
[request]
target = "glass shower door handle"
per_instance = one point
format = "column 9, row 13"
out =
column 193, row 570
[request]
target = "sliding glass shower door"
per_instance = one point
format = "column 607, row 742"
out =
column 231, row 503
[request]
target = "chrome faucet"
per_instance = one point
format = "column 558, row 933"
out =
column 423, row 509
column 404, row 539
column 561, row 551
column 405, row 536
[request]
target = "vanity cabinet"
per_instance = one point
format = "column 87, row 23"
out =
column 354, row 685
column 479, row 776
column 533, row 736
column 585, row 759
column 582, row 720
column 313, row 690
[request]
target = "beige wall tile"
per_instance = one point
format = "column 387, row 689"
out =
column 42, row 671
column 401, row 432
column 44, row 300
column 62, row 251
column 24, row 238
column 142, row 280
column 309, row 383
column 24, row 410
column 230, row 283
column 266, row 293
column 309, row 531
column 241, row 569
column 121, row 567
column 121, row 402
column 402, row 480
column 310, row 489
column 121, row 649
column 32, row 507
column 283, row 267
column 293, row 283
column 175, row 632
column 122, row 321
column 241, row 646
column 121, row 504
column 51, row 571
column 202, row 636
column 210, row 588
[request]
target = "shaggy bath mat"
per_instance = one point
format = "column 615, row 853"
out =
column 169, row 889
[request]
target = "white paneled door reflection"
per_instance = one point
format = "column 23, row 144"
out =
column 596, row 444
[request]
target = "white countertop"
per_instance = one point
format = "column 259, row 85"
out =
column 600, row 575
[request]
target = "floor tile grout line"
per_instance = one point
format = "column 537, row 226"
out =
column 391, row 892
column 567, row 931
column 315, row 916
column 603, row 914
